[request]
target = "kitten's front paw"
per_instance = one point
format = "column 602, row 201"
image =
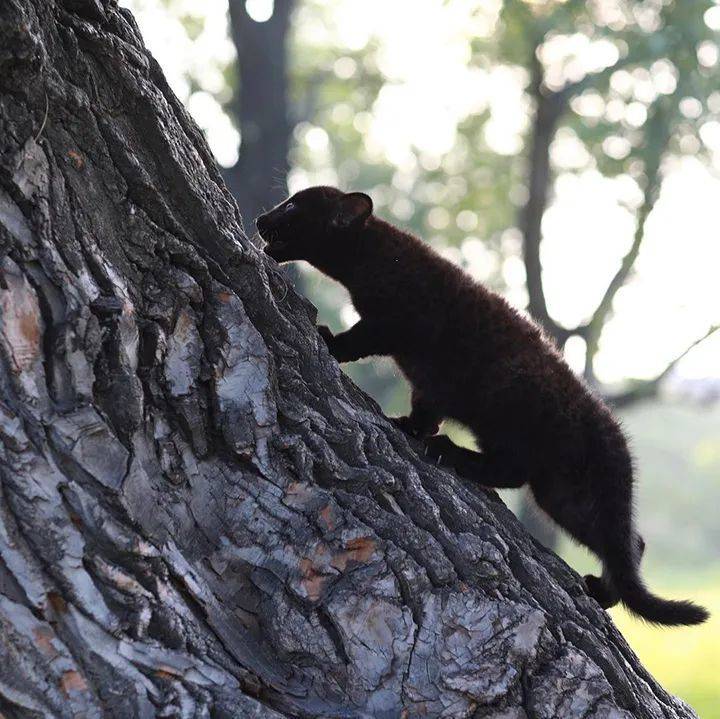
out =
column 326, row 333
column 334, row 344
column 330, row 339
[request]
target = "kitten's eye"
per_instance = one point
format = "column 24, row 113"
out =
column 289, row 207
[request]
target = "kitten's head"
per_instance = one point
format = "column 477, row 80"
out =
column 310, row 224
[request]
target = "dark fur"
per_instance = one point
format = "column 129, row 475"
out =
column 470, row 356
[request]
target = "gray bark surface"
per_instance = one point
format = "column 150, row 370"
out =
column 199, row 514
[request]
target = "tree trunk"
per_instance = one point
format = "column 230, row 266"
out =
column 199, row 515
column 259, row 178
column 549, row 108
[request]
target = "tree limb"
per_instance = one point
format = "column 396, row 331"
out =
column 646, row 389
column 549, row 108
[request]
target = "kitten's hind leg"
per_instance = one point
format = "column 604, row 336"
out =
column 602, row 589
column 491, row 469
column 424, row 419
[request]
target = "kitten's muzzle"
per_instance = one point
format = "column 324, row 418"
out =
column 274, row 246
column 276, row 250
column 263, row 225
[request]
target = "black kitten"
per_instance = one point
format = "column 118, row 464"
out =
column 470, row 356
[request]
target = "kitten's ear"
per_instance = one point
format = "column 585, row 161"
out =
column 353, row 210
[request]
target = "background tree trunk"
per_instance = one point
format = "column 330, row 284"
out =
column 259, row 178
column 199, row 514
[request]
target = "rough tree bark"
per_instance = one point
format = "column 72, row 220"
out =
column 199, row 514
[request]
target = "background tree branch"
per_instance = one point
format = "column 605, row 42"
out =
column 647, row 389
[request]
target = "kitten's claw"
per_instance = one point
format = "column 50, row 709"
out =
column 438, row 445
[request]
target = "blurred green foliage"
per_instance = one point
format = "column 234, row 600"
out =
column 651, row 57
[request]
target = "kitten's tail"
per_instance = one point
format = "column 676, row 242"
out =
column 636, row 597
